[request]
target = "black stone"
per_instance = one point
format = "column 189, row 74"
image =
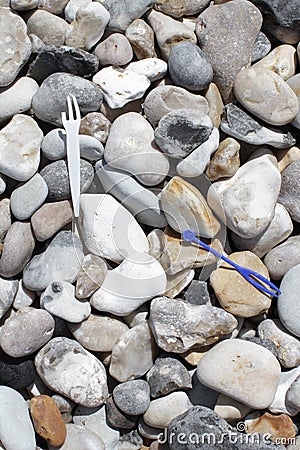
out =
column 283, row 13
column 16, row 373
column 267, row 343
column 56, row 176
column 116, row 418
column 197, row 293
column 53, row 59
column 261, row 48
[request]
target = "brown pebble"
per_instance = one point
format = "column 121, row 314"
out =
column 225, row 161
column 278, row 426
column 50, row 218
column 215, row 102
column 47, row 420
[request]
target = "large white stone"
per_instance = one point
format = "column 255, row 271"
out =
column 120, row 86
column 129, row 285
column 131, row 148
column 247, row 199
column 152, row 68
column 109, row 230
column 20, row 143
column 17, row 98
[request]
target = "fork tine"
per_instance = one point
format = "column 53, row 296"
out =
column 70, row 108
column 261, row 287
column 265, row 280
column 63, row 118
column 76, row 107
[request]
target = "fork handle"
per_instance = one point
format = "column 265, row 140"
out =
column 73, row 153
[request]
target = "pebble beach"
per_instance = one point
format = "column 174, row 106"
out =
column 115, row 332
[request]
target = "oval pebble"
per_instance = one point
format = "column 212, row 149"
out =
column 132, row 397
column 115, row 50
column 17, row 98
column 288, row 301
column 283, row 257
column 26, row 199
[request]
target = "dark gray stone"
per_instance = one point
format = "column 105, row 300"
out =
column 51, row 98
column 267, row 343
column 285, row 14
column 72, row 60
column 116, row 418
column 197, row 293
column 167, row 375
column 201, row 428
column 261, row 47
column 56, row 176
column 201, row 394
column 132, row 397
column 123, row 12
column 16, row 373
column 189, row 67
column 181, row 131
column 290, row 189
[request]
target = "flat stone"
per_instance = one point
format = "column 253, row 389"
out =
column 116, row 418
column 230, row 409
column 169, row 32
column 26, row 199
column 141, row 38
column 279, row 229
column 179, row 196
column 95, row 419
column 50, row 100
column 225, row 161
column 215, row 103
column 50, row 218
column 194, row 164
column 228, row 368
column 25, row 332
column 98, row 333
column 277, row 426
column 181, row 131
column 167, row 375
column 237, row 123
column 251, row 87
column 17, row 249
column 15, row 406
column 95, row 124
column 15, row 49
column 56, row 176
column 122, row 14
column 17, row 98
column 130, row 285
column 287, row 345
column 79, row 437
column 52, row 59
column 61, row 261
column 289, row 189
column 63, row 359
column 283, row 257
column 91, row 276
column 143, row 204
column 24, row 297
column 189, row 67
column 132, row 150
column 88, row 26
column 132, row 397
column 228, row 49
column 163, row 99
column 261, row 48
column 20, row 142
column 103, row 238
column 177, row 325
column 59, row 300
column 120, row 86
column 234, row 293
column 133, row 354
column 72, row 8
column 115, row 50
column 248, row 199
column 16, row 374
column 50, row 28
column 152, row 68
column 8, row 290
column 163, row 410
column 47, row 420
column 281, row 60
column 294, row 84
column 179, row 8
column 288, row 301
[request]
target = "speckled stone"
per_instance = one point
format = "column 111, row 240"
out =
column 141, row 38
column 26, row 199
column 283, row 257
column 56, row 176
column 95, row 124
column 17, row 249
column 179, row 8
column 50, row 218
column 261, row 47
column 189, row 67
column 116, row 418
column 61, row 360
column 25, row 332
column 132, row 397
column 290, row 188
column 91, row 276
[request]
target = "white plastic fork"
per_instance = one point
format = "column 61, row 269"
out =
column 71, row 125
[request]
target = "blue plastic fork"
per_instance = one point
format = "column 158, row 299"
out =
column 248, row 274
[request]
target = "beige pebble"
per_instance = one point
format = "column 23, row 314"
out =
column 225, row 161
column 282, row 60
column 141, row 37
column 91, row 276
column 162, row 410
column 195, row 354
column 286, row 157
column 215, row 104
column 95, row 124
column 230, row 409
column 176, row 283
column 179, row 8
column 115, row 50
column 266, row 95
column 234, row 293
column 50, row 218
column 49, row 28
